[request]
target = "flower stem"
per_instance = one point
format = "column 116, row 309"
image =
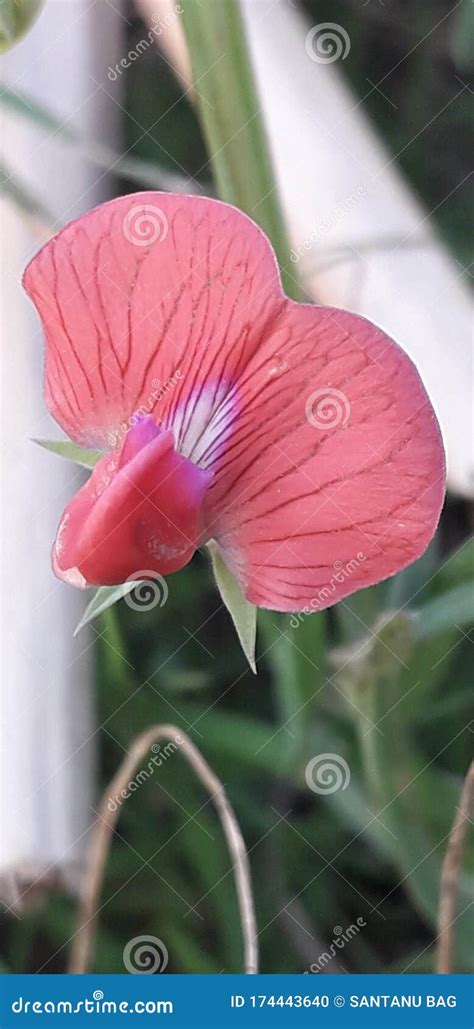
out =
column 231, row 119
column 450, row 875
column 102, row 833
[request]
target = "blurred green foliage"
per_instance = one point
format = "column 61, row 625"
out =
column 16, row 17
column 412, row 65
column 384, row 679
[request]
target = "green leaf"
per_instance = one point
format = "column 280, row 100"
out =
column 243, row 614
column 458, row 567
column 16, row 16
column 447, row 611
column 250, row 743
column 410, row 586
column 188, row 953
column 229, row 110
column 86, row 458
column 462, row 35
column 104, row 598
column 388, row 648
column 294, row 648
column 430, row 576
column 413, row 797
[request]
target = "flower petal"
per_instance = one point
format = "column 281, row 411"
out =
column 138, row 514
column 334, row 476
column 144, row 301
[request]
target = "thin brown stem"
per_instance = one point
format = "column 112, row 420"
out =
column 104, row 826
column 450, row 875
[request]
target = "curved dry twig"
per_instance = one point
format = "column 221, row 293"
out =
column 102, row 832
column 450, row 875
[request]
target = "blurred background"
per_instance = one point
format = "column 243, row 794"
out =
column 372, row 144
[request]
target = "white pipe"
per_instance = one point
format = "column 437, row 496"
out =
column 47, row 755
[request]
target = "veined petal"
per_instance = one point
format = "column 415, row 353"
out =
column 147, row 301
column 139, row 513
column 334, row 476
column 299, row 437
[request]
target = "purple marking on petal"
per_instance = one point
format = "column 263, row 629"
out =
column 142, row 431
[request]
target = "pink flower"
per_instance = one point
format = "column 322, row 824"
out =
column 299, row 438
